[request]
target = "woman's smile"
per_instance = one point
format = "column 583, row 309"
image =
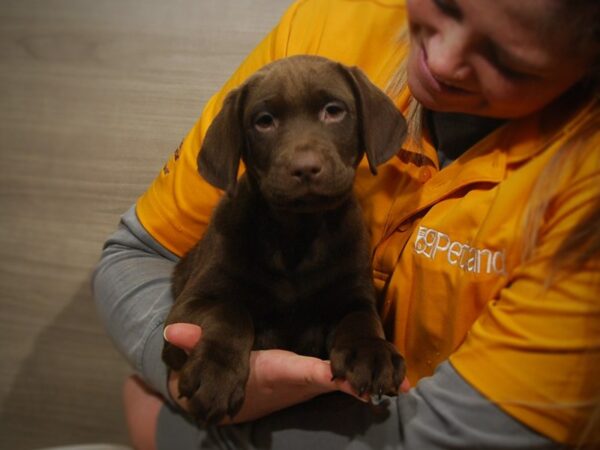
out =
column 433, row 83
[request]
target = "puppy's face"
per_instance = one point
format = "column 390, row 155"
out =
column 301, row 125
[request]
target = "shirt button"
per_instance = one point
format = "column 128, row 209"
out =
column 424, row 174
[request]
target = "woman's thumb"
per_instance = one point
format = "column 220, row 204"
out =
column 183, row 335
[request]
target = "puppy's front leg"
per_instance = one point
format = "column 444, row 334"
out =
column 361, row 354
column 215, row 373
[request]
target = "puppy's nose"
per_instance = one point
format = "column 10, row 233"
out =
column 306, row 166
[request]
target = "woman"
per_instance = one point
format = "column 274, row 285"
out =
column 484, row 231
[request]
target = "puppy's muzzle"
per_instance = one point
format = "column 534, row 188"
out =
column 308, row 180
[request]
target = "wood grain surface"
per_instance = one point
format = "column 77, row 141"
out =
column 94, row 95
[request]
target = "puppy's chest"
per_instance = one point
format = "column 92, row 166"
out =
column 299, row 287
column 301, row 258
column 303, row 266
column 296, row 270
column 291, row 264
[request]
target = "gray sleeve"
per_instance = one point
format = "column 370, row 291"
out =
column 132, row 291
column 441, row 412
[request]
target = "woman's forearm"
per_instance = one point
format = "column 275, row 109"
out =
column 132, row 290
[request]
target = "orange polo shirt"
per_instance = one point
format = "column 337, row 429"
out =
column 447, row 244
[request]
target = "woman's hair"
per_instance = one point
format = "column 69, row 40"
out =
column 582, row 245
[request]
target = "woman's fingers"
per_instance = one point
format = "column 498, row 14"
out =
column 405, row 386
column 183, row 335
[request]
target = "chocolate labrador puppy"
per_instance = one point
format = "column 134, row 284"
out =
column 285, row 260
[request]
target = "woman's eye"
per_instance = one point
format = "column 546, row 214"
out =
column 507, row 71
column 514, row 74
column 333, row 112
column 265, row 122
column 449, row 8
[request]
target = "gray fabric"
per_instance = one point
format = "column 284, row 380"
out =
column 132, row 291
column 441, row 412
column 452, row 134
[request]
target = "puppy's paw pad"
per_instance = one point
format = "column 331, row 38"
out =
column 370, row 365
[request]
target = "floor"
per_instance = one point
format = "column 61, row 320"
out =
column 95, row 95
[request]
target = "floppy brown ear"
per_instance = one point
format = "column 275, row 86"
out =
column 381, row 126
column 219, row 157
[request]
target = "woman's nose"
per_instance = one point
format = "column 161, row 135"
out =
column 447, row 58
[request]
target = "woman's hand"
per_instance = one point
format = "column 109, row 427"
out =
column 278, row 378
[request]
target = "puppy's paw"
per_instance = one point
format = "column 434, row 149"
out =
column 214, row 386
column 371, row 365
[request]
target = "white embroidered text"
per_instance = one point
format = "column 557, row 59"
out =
column 431, row 243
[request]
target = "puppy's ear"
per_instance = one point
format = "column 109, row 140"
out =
column 381, row 126
column 219, row 157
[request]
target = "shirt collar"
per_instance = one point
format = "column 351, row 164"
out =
column 519, row 139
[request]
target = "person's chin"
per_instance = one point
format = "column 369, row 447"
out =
column 427, row 99
column 473, row 106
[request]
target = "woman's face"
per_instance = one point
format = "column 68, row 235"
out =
column 496, row 58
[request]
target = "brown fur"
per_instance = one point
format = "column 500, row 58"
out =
column 285, row 261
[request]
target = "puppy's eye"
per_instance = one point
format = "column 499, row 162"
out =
column 333, row 112
column 265, row 122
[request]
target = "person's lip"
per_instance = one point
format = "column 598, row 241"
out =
column 435, row 84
